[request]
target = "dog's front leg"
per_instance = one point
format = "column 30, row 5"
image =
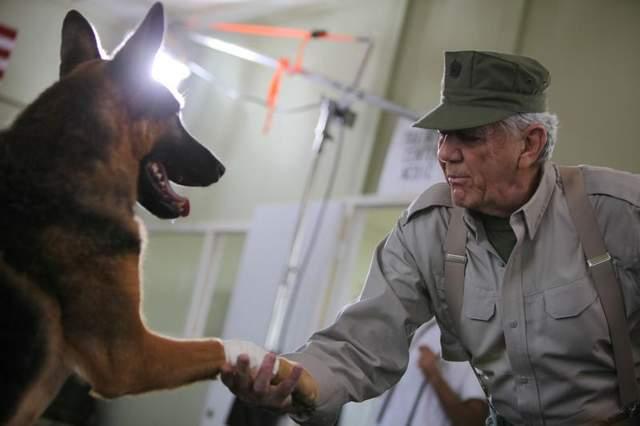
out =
column 109, row 343
column 141, row 361
column 153, row 362
column 118, row 355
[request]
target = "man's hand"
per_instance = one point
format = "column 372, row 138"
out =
column 255, row 387
column 429, row 362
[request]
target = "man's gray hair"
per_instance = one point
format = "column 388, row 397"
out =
column 519, row 122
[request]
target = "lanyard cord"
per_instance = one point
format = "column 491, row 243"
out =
column 414, row 407
column 412, row 413
column 383, row 409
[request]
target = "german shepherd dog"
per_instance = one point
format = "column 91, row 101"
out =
column 72, row 167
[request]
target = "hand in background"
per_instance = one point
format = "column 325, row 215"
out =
column 460, row 412
column 429, row 362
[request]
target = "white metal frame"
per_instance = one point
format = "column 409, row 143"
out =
column 338, row 291
column 208, row 267
column 337, row 294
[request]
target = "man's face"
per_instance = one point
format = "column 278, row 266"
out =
column 480, row 166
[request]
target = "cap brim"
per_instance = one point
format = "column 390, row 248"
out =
column 456, row 117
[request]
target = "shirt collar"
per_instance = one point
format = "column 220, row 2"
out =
column 534, row 209
column 473, row 225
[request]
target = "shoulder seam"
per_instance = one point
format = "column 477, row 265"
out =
column 437, row 195
column 624, row 190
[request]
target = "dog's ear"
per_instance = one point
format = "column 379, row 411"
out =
column 79, row 42
column 134, row 60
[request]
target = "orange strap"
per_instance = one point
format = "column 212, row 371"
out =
column 283, row 63
column 274, row 90
column 303, row 44
column 269, row 31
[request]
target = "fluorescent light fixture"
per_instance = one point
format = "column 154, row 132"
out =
column 234, row 50
column 169, row 71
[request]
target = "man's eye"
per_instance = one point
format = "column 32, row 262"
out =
column 470, row 138
column 476, row 134
column 467, row 136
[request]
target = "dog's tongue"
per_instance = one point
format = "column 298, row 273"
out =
column 182, row 203
column 185, row 208
column 162, row 184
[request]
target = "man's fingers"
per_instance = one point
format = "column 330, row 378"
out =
column 242, row 380
column 426, row 349
column 263, row 378
column 242, row 364
column 257, row 387
column 287, row 386
column 227, row 375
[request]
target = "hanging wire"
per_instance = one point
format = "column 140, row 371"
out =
column 343, row 104
column 275, row 338
column 313, row 239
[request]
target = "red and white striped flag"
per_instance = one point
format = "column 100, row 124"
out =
column 7, row 43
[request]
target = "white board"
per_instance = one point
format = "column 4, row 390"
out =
column 263, row 261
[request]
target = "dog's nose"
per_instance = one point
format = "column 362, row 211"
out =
column 221, row 169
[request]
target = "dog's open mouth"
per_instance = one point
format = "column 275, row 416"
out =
column 182, row 161
column 160, row 182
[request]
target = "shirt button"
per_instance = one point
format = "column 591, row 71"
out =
column 513, row 324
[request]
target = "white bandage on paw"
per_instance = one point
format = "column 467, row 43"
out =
column 233, row 348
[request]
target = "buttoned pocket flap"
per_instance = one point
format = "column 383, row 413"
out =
column 479, row 304
column 569, row 300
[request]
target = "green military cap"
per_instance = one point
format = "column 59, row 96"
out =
column 479, row 88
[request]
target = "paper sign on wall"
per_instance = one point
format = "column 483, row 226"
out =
column 411, row 165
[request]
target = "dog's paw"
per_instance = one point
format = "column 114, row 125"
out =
column 234, row 348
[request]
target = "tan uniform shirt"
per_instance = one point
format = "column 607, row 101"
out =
column 533, row 327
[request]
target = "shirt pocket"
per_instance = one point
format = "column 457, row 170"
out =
column 481, row 332
column 479, row 304
column 571, row 335
column 569, row 300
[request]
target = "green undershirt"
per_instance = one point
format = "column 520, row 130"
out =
column 500, row 234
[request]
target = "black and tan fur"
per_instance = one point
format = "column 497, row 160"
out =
column 72, row 167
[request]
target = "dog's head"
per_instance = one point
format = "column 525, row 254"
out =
column 147, row 113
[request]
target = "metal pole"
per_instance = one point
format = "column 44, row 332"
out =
column 259, row 58
column 287, row 285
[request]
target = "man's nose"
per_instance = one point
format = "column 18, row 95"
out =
column 448, row 149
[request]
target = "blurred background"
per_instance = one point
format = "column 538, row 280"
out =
column 301, row 197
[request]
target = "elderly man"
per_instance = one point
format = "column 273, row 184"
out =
column 522, row 300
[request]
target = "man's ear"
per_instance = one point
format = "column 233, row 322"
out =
column 535, row 139
column 133, row 62
column 79, row 42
